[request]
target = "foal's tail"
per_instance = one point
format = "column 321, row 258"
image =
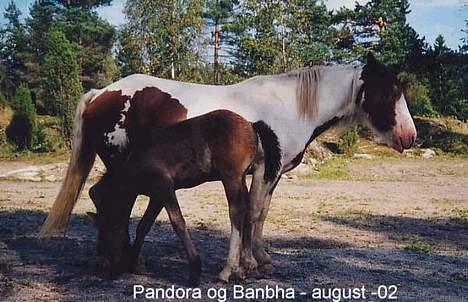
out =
column 81, row 162
column 271, row 150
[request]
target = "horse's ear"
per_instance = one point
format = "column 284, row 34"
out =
column 371, row 58
column 92, row 217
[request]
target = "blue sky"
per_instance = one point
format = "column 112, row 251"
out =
column 428, row 17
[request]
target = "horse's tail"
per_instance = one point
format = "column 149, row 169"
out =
column 81, row 162
column 271, row 150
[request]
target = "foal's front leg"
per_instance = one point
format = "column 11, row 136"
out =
column 178, row 223
column 237, row 195
column 144, row 226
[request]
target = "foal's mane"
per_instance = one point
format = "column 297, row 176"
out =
column 308, row 81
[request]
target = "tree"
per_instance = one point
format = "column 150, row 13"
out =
column 94, row 38
column 63, row 79
column 21, row 127
column 259, row 30
column 42, row 14
column 447, row 81
column 309, row 32
column 13, row 50
column 217, row 13
column 160, row 36
column 380, row 26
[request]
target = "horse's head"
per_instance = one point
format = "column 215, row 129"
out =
column 383, row 106
column 111, row 222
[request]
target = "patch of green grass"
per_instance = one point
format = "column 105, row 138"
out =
column 419, row 248
column 334, row 169
column 459, row 214
column 26, row 282
column 364, row 213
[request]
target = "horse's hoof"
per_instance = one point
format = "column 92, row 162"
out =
column 239, row 275
column 223, row 277
column 250, row 264
column 194, row 281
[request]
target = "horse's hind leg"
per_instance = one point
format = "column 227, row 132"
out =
column 237, row 195
column 178, row 223
column 144, row 226
column 259, row 202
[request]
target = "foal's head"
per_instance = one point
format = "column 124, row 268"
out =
column 113, row 206
column 383, row 105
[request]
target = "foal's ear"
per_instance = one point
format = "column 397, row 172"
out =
column 371, row 58
column 92, row 217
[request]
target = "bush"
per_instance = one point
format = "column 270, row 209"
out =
column 19, row 131
column 417, row 94
column 40, row 141
column 349, row 140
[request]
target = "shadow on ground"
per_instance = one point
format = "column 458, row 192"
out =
column 69, row 269
column 443, row 233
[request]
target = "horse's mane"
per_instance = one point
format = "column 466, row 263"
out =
column 308, row 80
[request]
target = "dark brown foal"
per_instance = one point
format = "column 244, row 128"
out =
column 220, row 145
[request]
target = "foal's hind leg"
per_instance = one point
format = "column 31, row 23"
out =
column 144, row 226
column 237, row 195
column 178, row 223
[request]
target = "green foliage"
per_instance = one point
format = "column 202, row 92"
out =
column 417, row 95
column 13, row 51
column 260, row 30
column 40, row 141
column 22, row 102
column 19, row 131
column 309, row 32
column 93, row 38
column 62, row 75
column 160, row 36
column 349, row 141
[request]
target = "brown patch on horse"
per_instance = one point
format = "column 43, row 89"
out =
column 152, row 108
column 100, row 117
column 381, row 92
column 148, row 109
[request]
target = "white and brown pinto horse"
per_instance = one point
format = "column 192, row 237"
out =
column 295, row 108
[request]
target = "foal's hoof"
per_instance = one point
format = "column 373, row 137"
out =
column 266, row 267
column 239, row 275
column 249, row 264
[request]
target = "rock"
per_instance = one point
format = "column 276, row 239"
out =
column 363, row 156
column 427, row 153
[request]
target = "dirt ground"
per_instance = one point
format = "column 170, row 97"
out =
column 400, row 222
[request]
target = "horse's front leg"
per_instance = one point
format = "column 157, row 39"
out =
column 178, row 223
column 144, row 226
column 237, row 196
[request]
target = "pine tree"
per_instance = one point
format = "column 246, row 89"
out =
column 217, row 14
column 309, row 32
column 13, row 50
column 21, row 127
column 380, row 26
column 63, row 79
